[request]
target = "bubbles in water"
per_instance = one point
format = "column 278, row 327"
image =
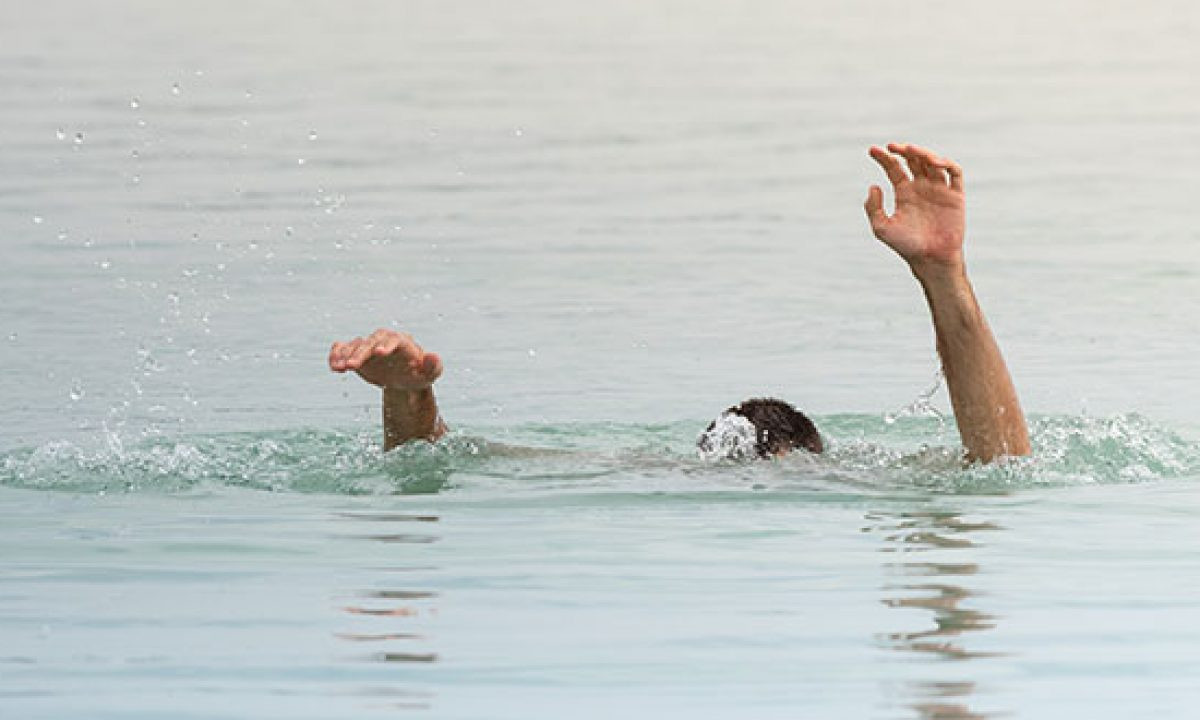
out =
column 60, row 134
column 37, row 219
column 300, row 161
column 175, row 90
column 134, row 103
column 104, row 264
column 519, row 132
column 12, row 337
column 312, row 135
column 78, row 138
column 76, row 393
column 135, row 154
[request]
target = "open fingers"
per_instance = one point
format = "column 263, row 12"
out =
column 922, row 163
column 956, row 175
column 358, row 353
column 336, row 362
column 892, row 167
column 933, row 166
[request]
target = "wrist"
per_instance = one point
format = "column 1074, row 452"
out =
column 938, row 271
column 407, row 395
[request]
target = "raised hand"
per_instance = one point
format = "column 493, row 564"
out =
column 389, row 359
column 929, row 222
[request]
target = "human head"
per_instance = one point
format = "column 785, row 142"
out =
column 764, row 427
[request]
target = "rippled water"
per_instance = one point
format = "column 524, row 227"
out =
column 613, row 220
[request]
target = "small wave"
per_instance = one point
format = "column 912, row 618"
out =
column 867, row 454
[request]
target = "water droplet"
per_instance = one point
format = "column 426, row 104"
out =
column 60, row 134
column 134, row 103
column 289, row 231
column 136, row 179
column 519, row 132
column 249, row 94
column 532, row 352
column 312, row 135
column 135, row 154
column 12, row 337
column 300, row 161
column 104, row 264
column 37, row 220
column 77, row 391
column 88, row 242
column 175, row 90
column 78, row 138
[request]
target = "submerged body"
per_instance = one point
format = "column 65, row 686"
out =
column 926, row 230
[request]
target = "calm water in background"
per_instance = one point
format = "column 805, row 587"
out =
column 612, row 220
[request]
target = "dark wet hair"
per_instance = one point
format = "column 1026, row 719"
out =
column 778, row 427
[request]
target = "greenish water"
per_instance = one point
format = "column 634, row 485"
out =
column 612, row 220
column 866, row 455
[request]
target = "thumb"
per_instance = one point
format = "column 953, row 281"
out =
column 874, row 207
column 431, row 366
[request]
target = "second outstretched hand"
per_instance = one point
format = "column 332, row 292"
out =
column 395, row 362
column 388, row 359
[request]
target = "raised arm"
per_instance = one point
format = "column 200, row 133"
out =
column 395, row 362
column 926, row 230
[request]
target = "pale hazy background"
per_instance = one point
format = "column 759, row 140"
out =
column 637, row 210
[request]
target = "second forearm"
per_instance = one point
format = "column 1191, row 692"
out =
column 986, row 408
column 410, row 415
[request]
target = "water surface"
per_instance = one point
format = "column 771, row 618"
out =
column 612, row 220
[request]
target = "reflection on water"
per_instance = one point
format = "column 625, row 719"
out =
column 394, row 610
column 939, row 587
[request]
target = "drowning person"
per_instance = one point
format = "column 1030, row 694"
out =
column 926, row 230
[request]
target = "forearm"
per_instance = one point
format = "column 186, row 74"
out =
column 410, row 415
column 986, row 408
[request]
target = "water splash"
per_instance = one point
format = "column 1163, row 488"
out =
column 923, row 405
column 866, row 456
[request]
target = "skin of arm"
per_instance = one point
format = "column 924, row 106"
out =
column 926, row 231
column 406, row 373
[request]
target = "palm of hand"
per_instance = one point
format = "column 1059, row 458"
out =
column 387, row 359
column 401, row 370
column 928, row 223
